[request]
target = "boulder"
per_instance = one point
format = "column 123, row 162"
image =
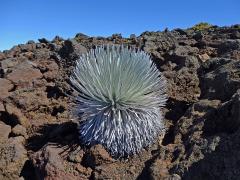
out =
column 4, row 131
column 13, row 156
column 5, row 87
column 220, row 79
column 24, row 75
column 50, row 165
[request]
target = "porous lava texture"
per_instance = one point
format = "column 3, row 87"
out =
column 39, row 137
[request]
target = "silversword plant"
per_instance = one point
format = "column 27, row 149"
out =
column 120, row 93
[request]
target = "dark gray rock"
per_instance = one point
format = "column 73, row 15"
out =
column 30, row 42
column 97, row 156
column 43, row 40
column 2, row 56
column 222, row 131
column 133, row 36
column 228, row 46
column 226, row 119
column 80, row 36
column 201, row 116
column 27, row 47
column 181, row 51
column 221, row 80
column 159, row 41
column 57, row 39
column 71, row 49
column 183, row 84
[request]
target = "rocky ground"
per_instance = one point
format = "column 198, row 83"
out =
column 38, row 137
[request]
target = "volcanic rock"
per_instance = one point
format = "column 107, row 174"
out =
column 13, row 156
column 202, row 120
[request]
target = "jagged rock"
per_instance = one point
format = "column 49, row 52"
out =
column 49, row 68
column 43, row 40
column 235, row 35
column 184, row 51
column 157, row 41
column 4, row 131
column 226, row 119
column 19, row 117
column 49, row 164
column 24, row 75
column 1, row 106
column 97, row 156
column 221, row 130
column 5, row 87
column 201, row 116
column 159, row 173
column 15, row 51
column 19, row 130
column 30, row 42
column 84, row 173
column 183, row 85
column 9, row 63
column 190, row 62
column 71, row 49
column 13, row 156
column 27, row 47
column 30, row 101
column 80, row 36
column 196, row 111
column 76, row 156
column 228, row 46
column 221, row 80
column 205, row 128
column 2, row 56
column 132, row 36
column 57, row 39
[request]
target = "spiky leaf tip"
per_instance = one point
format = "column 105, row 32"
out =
column 120, row 92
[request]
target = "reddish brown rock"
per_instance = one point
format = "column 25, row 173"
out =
column 97, row 156
column 24, row 75
column 50, row 165
column 76, row 156
column 30, row 100
column 159, row 169
column 13, row 110
column 5, row 87
column 4, row 94
column 183, row 85
column 85, row 173
column 19, row 130
column 200, row 134
column 4, row 131
column 5, row 84
column 9, row 63
column 2, row 106
column 49, row 69
column 13, row 156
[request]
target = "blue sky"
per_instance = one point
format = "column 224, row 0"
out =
column 33, row 19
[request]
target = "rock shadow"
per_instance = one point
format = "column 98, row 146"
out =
column 176, row 110
column 63, row 135
column 221, row 164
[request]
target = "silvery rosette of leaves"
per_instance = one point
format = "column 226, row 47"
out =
column 120, row 93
